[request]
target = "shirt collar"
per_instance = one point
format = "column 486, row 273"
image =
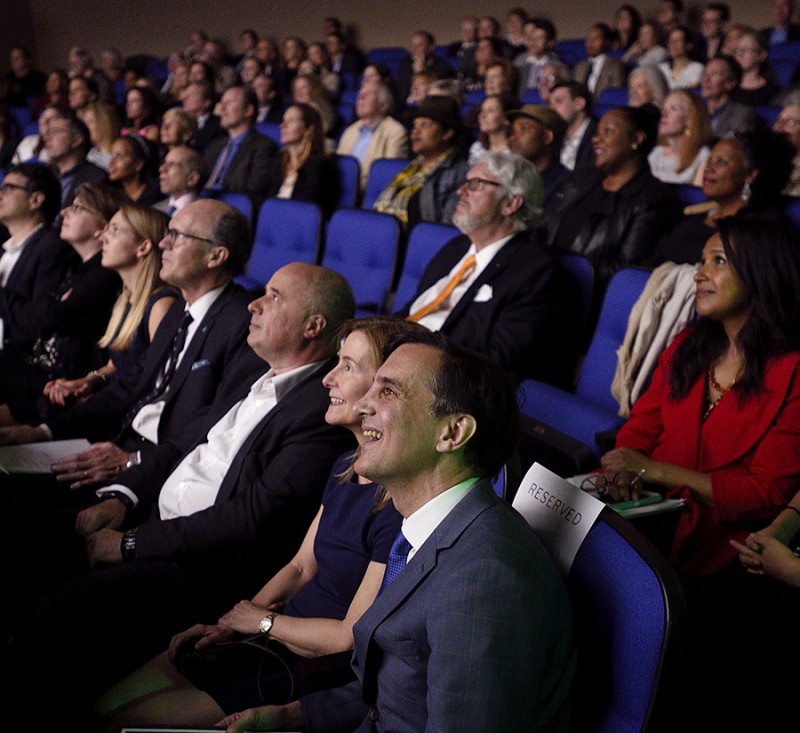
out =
column 11, row 247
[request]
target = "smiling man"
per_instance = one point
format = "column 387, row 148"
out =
column 443, row 648
column 504, row 294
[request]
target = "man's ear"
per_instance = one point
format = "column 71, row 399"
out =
column 315, row 325
column 218, row 256
column 457, row 431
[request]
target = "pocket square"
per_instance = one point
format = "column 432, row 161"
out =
column 484, row 294
column 201, row 363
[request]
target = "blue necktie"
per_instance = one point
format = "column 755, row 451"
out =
column 397, row 560
column 172, row 209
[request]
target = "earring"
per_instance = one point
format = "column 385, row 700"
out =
column 746, row 192
column 635, row 146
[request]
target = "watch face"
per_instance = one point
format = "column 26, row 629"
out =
column 265, row 624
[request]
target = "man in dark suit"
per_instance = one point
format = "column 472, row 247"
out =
column 243, row 161
column 782, row 29
column 346, row 61
column 508, row 305
column 181, row 176
column 573, row 102
column 128, row 419
column 34, row 258
column 472, row 629
column 67, row 142
column 721, row 77
column 220, row 507
column 600, row 71
column 198, row 100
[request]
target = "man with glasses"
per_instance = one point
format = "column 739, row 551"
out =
column 33, row 258
column 67, row 143
column 207, row 245
column 494, row 289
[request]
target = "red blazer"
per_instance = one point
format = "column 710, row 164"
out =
column 751, row 451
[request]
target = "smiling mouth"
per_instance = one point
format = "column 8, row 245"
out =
column 372, row 434
column 338, row 401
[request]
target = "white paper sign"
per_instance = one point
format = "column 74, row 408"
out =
column 561, row 514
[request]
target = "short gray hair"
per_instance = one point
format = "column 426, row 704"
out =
column 518, row 177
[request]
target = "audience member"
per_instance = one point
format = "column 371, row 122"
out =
column 270, row 108
column 67, row 142
column 181, row 177
column 732, row 36
column 721, row 78
column 552, row 74
column 782, row 30
column 249, row 69
column 788, row 123
column 537, row 133
column 627, row 21
column 346, row 60
column 177, row 128
column 463, row 50
column 56, row 90
column 307, row 89
column 487, row 51
column 292, row 53
column 142, row 113
column 502, row 78
column 489, row 27
column 515, row 29
column 9, row 136
column 242, row 163
column 749, row 170
column 255, row 463
column 177, row 79
column 647, row 86
column 540, row 41
column 320, row 62
column 729, row 381
column 104, row 127
column 31, row 148
column 573, row 103
column 303, row 170
column 647, row 51
column 615, row 213
column 454, row 424
column 133, row 161
column 758, row 86
column 600, row 71
column 427, row 189
column 684, row 134
column 223, row 75
column 421, row 57
column 198, row 100
column 58, row 334
column 22, row 84
column 310, row 605
column 82, row 91
column 504, row 296
column 493, row 128
column 669, row 15
column 374, row 134
column 680, row 71
column 34, row 258
column 713, row 24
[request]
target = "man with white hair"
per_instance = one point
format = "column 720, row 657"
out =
column 374, row 134
column 495, row 289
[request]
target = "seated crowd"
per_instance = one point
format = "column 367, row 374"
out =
column 237, row 437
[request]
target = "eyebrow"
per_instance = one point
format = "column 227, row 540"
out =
column 392, row 382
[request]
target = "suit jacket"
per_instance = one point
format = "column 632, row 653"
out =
column 748, row 449
column 84, row 172
column 524, row 315
column 613, row 74
column 205, row 134
column 317, row 182
column 475, row 634
column 34, row 278
column 390, row 140
column 251, row 168
column 270, row 492
column 585, row 156
column 218, row 343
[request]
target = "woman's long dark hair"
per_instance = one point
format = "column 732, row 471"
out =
column 764, row 252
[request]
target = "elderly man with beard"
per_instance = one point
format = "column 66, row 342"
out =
column 503, row 292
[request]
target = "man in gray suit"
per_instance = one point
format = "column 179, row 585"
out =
column 721, row 77
column 472, row 629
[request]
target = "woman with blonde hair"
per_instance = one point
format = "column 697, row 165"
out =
column 684, row 134
column 177, row 128
column 104, row 126
column 308, row 89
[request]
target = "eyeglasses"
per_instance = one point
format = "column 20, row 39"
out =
column 478, row 184
column 171, row 235
column 603, row 485
column 789, row 122
column 52, row 131
column 6, row 187
column 75, row 208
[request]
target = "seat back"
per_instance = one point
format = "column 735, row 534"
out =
column 580, row 272
column 392, row 56
column 597, row 373
column 687, row 194
column 363, row 246
column 381, row 173
column 349, row 175
column 286, row 231
column 272, row 130
column 614, row 97
column 424, row 241
column 631, row 616
column 239, row 201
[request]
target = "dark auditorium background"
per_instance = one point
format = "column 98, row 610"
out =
column 49, row 28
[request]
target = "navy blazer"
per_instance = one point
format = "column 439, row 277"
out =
column 217, row 344
column 475, row 634
column 516, row 312
column 270, row 492
column 34, row 278
column 251, row 168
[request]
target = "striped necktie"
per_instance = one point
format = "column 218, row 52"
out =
column 435, row 304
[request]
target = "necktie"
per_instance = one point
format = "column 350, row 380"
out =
column 171, row 210
column 460, row 274
column 397, row 560
column 215, row 179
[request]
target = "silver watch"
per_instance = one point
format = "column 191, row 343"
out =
column 265, row 625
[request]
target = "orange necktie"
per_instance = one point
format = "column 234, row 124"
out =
column 460, row 274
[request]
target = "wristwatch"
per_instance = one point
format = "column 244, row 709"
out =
column 128, row 545
column 134, row 459
column 265, row 625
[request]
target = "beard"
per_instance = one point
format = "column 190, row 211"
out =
column 466, row 223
